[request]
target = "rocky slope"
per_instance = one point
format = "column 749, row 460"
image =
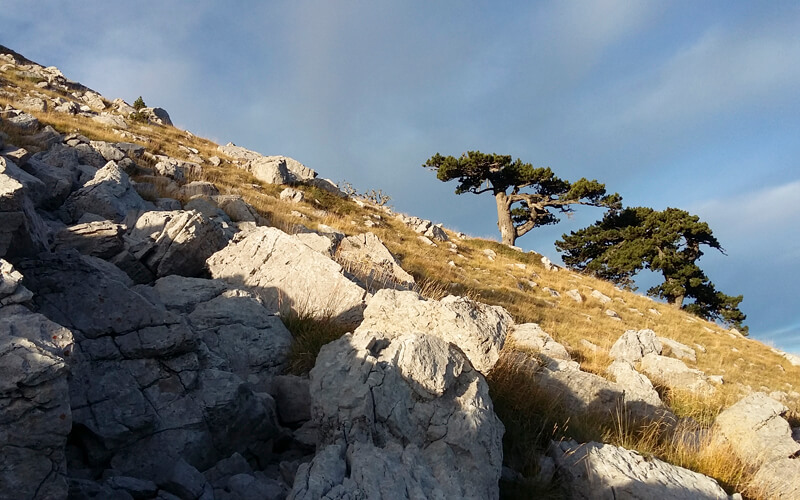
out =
column 142, row 352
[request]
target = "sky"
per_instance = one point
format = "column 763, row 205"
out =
column 692, row 105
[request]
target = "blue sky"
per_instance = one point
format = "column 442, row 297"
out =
column 680, row 104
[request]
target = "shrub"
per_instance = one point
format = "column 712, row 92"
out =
column 139, row 103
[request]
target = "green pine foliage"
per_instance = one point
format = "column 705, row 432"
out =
column 668, row 242
column 527, row 197
column 138, row 104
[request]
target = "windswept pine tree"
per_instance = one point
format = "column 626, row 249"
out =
column 526, row 197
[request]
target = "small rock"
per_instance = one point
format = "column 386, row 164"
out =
column 292, row 195
column 597, row 294
column 548, row 265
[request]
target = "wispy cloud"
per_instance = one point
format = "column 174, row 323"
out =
column 725, row 70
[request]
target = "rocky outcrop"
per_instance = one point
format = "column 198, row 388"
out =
column 270, row 169
column 287, row 274
column 759, row 435
column 477, row 329
column 34, row 397
column 400, row 416
column 601, row 471
column 146, row 388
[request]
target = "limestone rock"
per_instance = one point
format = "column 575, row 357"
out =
column 575, row 295
column 100, row 239
column 11, row 289
column 176, row 242
column 293, row 195
column 22, row 230
column 435, row 232
column 637, row 387
column 326, row 185
column 477, row 329
column 234, row 325
column 604, row 299
column 602, row 471
column 292, row 397
column 111, row 120
column 34, row 397
column 531, row 336
column 58, row 182
column 678, row 350
column 110, row 194
column 23, row 122
column 285, row 273
column 175, row 169
column 367, row 257
column 324, row 241
column 400, row 416
column 195, row 188
column 674, row 373
column 145, row 388
column 238, row 209
column 548, row 265
column 760, row 436
column 633, row 345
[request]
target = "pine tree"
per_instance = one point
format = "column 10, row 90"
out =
column 625, row 242
column 525, row 195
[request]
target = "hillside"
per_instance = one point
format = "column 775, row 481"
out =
column 141, row 247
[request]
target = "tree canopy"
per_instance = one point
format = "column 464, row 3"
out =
column 668, row 242
column 526, row 196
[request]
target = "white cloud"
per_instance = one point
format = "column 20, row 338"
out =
column 766, row 213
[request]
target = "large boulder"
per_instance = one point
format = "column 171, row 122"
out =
column 759, row 435
column 477, row 329
column 400, row 416
column 109, row 194
column 34, row 397
column 601, row 471
column 287, row 274
column 369, row 259
column 177, row 242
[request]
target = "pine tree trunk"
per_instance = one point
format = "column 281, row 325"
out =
column 508, row 232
